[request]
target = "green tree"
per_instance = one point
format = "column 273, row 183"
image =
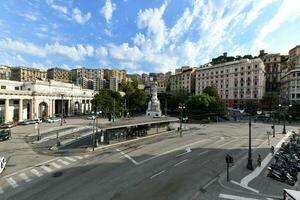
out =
column 211, row 91
column 251, row 107
column 270, row 100
column 106, row 100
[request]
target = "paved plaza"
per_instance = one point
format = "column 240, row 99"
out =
column 165, row 166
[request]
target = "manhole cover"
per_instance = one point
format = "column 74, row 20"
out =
column 57, row 174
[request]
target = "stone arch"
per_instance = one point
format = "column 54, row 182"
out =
column 77, row 107
column 43, row 110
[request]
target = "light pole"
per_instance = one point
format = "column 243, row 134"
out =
column 181, row 107
column 284, row 116
column 249, row 164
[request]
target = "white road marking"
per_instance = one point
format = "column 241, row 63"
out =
column 47, row 169
column 70, row 159
column 163, row 171
column 57, row 166
column 1, row 190
column 222, row 138
column 187, row 150
column 25, row 177
column 204, row 152
column 180, row 162
column 233, row 197
column 12, row 182
column 63, row 162
column 127, row 156
column 270, row 199
column 247, row 179
column 245, row 186
column 86, row 156
column 36, row 172
column 172, row 150
column 78, row 157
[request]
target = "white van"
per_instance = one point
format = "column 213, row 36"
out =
column 2, row 164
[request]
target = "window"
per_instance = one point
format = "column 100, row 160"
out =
column 249, row 67
column 242, row 68
column 256, row 66
column 3, row 87
column 235, row 69
column 255, row 96
column 17, row 88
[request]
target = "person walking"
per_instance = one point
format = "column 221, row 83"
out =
column 259, row 160
column 272, row 150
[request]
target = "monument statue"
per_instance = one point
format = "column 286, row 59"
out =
column 154, row 104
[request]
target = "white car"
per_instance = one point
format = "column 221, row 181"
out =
column 2, row 164
column 38, row 120
column 53, row 120
column 92, row 117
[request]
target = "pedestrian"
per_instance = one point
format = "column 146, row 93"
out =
column 259, row 160
column 272, row 150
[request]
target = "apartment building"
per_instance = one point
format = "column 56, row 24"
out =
column 183, row 80
column 59, row 74
column 290, row 81
column 274, row 66
column 120, row 74
column 113, row 83
column 27, row 74
column 87, row 77
column 236, row 81
column 5, row 72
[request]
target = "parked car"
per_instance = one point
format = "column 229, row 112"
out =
column 38, row 120
column 24, row 122
column 5, row 134
column 53, row 120
column 7, row 125
column 92, row 117
column 2, row 164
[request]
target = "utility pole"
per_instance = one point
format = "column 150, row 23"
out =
column 166, row 106
column 113, row 117
column 181, row 107
column 93, row 136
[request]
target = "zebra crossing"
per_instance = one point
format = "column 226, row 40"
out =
column 37, row 171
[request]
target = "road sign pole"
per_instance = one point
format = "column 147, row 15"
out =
column 227, row 171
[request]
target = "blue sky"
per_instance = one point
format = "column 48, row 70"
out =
column 142, row 35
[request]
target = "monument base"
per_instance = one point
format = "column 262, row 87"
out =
column 153, row 113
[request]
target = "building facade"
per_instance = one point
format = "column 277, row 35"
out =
column 59, row 74
column 113, row 83
column 183, row 80
column 87, row 77
column 236, row 81
column 5, row 72
column 27, row 74
column 120, row 74
column 274, row 67
column 290, row 81
column 40, row 99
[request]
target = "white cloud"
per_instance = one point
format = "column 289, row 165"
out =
column 107, row 10
column 61, row 9
column 257, row 8
column 288, row 11
column 152, row 20
column 79, row 18
column 76, row 53
column 30, row 16
column 101, row 52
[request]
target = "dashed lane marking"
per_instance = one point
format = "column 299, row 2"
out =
column 54, row 164
column 25, row 177
column 180, row 162
column 36, row 172
column 63, row 162
column 47, row 169
column 157, row 174
column 1, row 190
column 70, row 159
column 204, row 152
column 12, row 182
column 127, row 156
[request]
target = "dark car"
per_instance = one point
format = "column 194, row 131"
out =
column 4, row 134
column 7, row 125
column 24, row 122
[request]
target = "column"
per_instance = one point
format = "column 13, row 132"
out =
column 31, row 109
column 89, row 105
column 53, row 108
column 84, row 106
column 20, row 109
column 6, row 110
column 69, row 107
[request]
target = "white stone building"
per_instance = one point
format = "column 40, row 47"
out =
column 236, row 81
column 39, row 99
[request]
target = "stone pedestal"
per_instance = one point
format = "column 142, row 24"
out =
column 154, row 104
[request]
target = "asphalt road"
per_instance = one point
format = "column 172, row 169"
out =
column 164, row 168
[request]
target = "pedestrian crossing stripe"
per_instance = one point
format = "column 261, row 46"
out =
column 63, row 162
column 36, row 172
column 25, row 177
column 12, row 182
column 57, row 166
column 70, row 159
column 47, row 169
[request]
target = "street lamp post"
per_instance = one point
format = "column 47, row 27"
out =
column 284, row 116
column 249, row 164
column 181, row 107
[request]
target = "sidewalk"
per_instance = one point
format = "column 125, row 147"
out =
column 256, row 182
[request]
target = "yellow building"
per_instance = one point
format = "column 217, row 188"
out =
column 120, row 74
column 27, row 74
